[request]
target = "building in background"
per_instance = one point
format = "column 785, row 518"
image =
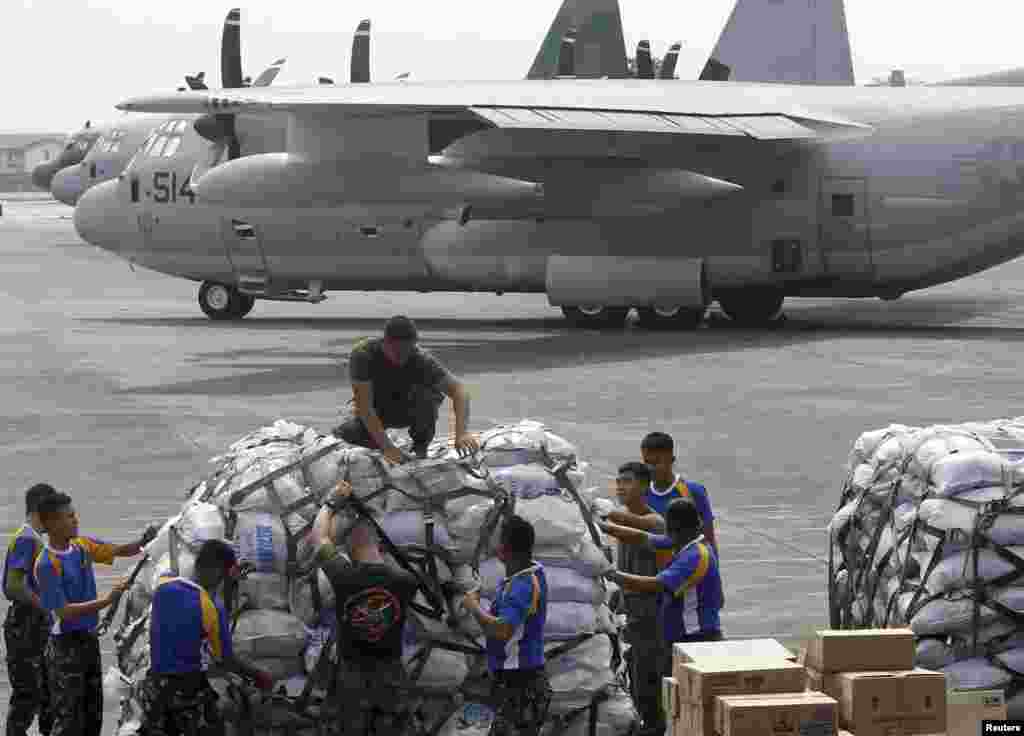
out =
column 20, row 153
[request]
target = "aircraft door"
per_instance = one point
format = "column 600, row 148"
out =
column 845, row 238
column 245, row 253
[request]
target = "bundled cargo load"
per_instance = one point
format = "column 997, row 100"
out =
column 438, row 519
column 929, row 535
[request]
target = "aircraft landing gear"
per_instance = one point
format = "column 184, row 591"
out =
column 222, row 302
column 670, row 318
column 596, row 316
column 753, row 307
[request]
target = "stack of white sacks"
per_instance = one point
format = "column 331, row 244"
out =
column 930, row 535
column 267, row 490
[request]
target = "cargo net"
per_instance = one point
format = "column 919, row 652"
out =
column 930, row 535
column 438, row 519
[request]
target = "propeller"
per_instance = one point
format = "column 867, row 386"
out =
column 567, row 55
column 360, row 65
column 220, row 128
column 668, row 64
column 644, row 64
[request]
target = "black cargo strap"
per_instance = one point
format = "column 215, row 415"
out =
column 561, row 723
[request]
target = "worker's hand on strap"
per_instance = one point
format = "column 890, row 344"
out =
column 342, row 490
column 466, row 444
column 149, row 534
column 394, row 456
column 471, row 600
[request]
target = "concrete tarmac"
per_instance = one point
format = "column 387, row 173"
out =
column 115, row 388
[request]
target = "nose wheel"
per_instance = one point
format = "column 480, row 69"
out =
column 223, row 302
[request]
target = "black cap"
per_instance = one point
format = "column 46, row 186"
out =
column 400, row 327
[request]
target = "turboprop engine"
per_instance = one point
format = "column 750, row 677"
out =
column 287, row 180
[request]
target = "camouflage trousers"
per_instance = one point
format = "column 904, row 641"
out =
column 179, row 705
column 26, row 631
column 364, row 696
column 74, row 671
column 521, row 699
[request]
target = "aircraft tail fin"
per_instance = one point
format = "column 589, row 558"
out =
column 810, row 43
column 360, row 71
column 600, row 45
column 269, row 74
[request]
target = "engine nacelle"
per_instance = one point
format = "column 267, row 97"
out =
column 627, row 282
column 285, row 180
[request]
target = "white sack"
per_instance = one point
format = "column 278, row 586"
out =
column 966, row 471
column 585, row 668
column 1012, row 659
column 527, row 481
column 936, row 443
column 264, row 590
column 161, row 544
column 1007, row 530
column 261, row 540
column 444, row 669
column 957, row 571
column 467, row 525
column 200, row 522
column 556, row 520
column 406, row 527
column 614, row 716
column 933, row 654
column 976, row 674
column 564, row 583
column 273, row 634
column 300, row 596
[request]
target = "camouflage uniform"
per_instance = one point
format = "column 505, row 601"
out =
column 520, row 699
column 26, row 630
column 179, row 705
column 76, row 683
column 365, row 692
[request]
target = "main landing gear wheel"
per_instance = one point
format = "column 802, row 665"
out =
column 753, row 307
column 670, row 318
column 222, row 302
column 596, row 316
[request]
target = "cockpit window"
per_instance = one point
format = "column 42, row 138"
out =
column 158, row 147
column 172, row 146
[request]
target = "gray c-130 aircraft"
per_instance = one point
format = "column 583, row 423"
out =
column 605, row 195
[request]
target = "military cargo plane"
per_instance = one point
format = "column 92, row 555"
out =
column 477, row 217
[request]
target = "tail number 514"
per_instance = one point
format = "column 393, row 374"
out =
column 166, row 189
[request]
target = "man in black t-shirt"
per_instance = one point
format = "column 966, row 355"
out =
column 372, row 602
column 395, row 385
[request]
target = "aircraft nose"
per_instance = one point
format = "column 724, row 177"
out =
column 68, row 184
column 42, row 175
column 100, row 217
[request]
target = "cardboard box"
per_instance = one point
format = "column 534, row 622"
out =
column 701, row 681
column 966, row 709
column 884, row 650
column 828, row 684
column 670, row 697
column 887, row 703
column 795, row 714
column 695, row 719
column 683, row 652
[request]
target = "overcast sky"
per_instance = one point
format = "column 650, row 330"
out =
column 67, row 61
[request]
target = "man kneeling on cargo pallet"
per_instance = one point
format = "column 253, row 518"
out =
column 689, row 589
column 515, row 634
column 188, row 628
column 373, row 600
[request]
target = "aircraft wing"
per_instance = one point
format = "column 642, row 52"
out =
column 574, row 118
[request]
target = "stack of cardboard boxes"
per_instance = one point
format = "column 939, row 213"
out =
column 843, row 683
column 744, row 688
column 871, row 673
